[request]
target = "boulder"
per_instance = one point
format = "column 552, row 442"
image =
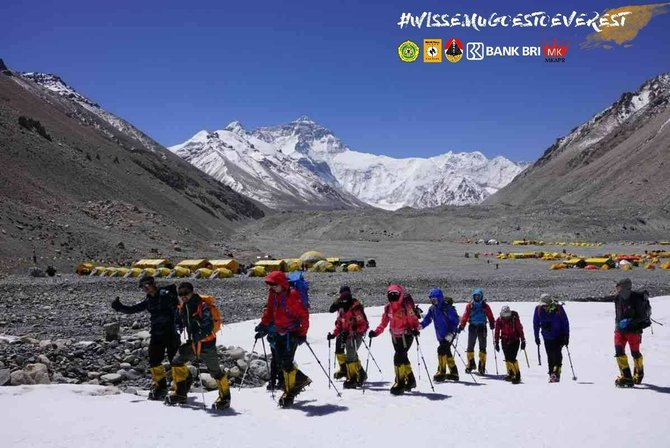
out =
column 38, row 372
column 236, row 353
column 208, row 382
column 19, row 378
column 259, row 369
column 5, row 377
column 111, row 378
column 112, row 330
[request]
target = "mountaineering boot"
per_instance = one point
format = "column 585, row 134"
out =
column 223, row 400
column 555, row 375
column 159, row 389
column 352, row 380
column 638, row 373
column 441, row 374
column 517, row 373
column 342, row 362
column 453, row 370
column 625, row 379
column 398, row 386
column 510, row 371
column 182, row 380
column 289, row 384
column 301, row 381
column 482, row 363
column 471, row 362
column 410, row 381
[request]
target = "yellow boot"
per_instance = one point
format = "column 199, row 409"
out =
column 510, row 371
column 289, row 384
column 638, row 373
column 482, row 363
column 342, row 363
column 399, row 385
column 181, row 383
column 353, row 369
column 441, row 374
column 223, row 400
column 471, row 362
column 410, row 381
column 159, row 388
column 517, row 373
column 625, row 379
column 453, row 370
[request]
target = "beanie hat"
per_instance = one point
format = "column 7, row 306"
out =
column 546, row 299
column 505, row 311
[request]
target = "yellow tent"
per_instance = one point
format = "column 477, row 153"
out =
column 626, row 267
column 600, row 261
column 133, row 272
column 221, row 273
column 202, row 273
column 311, row 257
column 353, row 267
column 557, row 266
column 148, row 272
column 292, row 264
column 98, row 270
column 84, row 268
column 180, row 272
column 272, row 265
column 194, row 265
column 256, row 271
column 322, row 266
column 153, row 263
column 121, row 272
column 665, row 265
column 334, row 260
column 163, row 272
column 110, row 272
column 229, row 264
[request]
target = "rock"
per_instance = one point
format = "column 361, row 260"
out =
column 19, row 377
column 242, row 364
column 59, row 378
column 235, row 372
column 111, row 378
column 125, row 365
column 45, row 344
column 5, row 377
column 44, row 360
column 38, row 372
column 259, row 369
column 112, row 330
column 29, row 340
column 131, row 390
column 136, row 325
column 92, row 375
column 123, row 373
column 142, row 335
column 208, row 382
column 236, row 353
column 133, row 374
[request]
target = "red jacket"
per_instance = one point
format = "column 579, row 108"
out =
column 509, row 328
column 400, row 314
column 285, row 309
column 353, row 320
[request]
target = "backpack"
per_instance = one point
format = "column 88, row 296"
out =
column 216, row 313
column 646, row 310
column 297, row 281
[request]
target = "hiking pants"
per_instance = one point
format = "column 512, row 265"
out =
column 159, row 344
column 286, row 346
column 510, row 349
column 207, row 355
column 351, row 347
column 274, row 360
column 477, row 332
column 401, row 345
column 554, row 348
column 444, row 349
column 339, row 344
column 632, row 339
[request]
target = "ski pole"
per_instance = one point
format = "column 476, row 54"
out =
column 329, row 360
column 539, row 358
column 371, row 355
column 495, row 354
column 247, row 369
column 574, row 377
column 424, row 363
column 322, row 368
column 202, row 388
column 526, row 355
column 463, row 361
column 265, row 354
column 418, row 360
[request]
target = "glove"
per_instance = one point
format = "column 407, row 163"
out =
column 261, row 331
column 416, row 333
column 492, row 326
column 460, row 328
column 330, row 336
column 372, row 334
column 300, row 339
column 497, row 347
column 116, row 304
column 344, row 334
column 537, row 341
column 623, row 324
column 449, row 337
column 523, row 345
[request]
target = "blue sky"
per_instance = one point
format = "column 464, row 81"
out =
column 173, row 68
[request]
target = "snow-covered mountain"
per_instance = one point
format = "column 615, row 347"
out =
column 304, row 160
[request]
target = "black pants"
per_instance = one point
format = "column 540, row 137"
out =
column 159, row 344
column 477, row 332
column 510, row 349
column 401, row 346
column 554, row 348
column 339, row 344
column 444, row 349
column 285, row 346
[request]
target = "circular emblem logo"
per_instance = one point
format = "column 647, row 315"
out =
column 453, row 50
column 408, row 51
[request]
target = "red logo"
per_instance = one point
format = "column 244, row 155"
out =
column 555, row 51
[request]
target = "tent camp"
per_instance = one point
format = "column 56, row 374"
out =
column 256, row 271
column 310, row 257
column 292, row 264
column 153, row 263
column 194, row 265
column 272, row 265
column 229, row 264
column 322, row 266
column 84, row 268
column 221, row 273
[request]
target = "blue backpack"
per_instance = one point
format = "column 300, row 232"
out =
column 298, row 282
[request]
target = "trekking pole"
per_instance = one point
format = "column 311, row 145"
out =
column 322, row 368
column 202, row 387
column 495, row 354
column 247, row 369
column 463, row 361
column 539, row 358
column 574, row 378
column 371, row 355
column 265, row 354
column 329, row 360
column 424, row 363
column 526, row 355
column 418, row 361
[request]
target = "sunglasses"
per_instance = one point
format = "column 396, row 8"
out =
column 271, row 284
